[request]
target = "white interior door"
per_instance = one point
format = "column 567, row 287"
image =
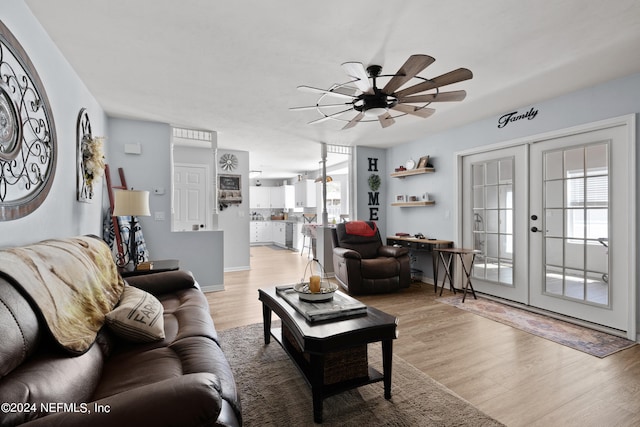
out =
column 494, row 206
column 581, row 239
column 189, row 197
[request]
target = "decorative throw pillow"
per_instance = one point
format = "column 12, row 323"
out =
column 138, row 316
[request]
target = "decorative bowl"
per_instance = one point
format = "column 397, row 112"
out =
column 326, row 292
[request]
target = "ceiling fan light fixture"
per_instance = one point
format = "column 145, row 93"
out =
column 375, row 111
column 376, row 104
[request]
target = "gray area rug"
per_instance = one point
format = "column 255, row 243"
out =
column 274, row 393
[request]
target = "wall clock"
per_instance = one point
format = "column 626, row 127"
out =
column 28, row 149
column 228, row 162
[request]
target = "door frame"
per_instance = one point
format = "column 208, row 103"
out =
column 629, row 121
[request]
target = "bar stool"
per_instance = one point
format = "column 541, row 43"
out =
column 307, row 232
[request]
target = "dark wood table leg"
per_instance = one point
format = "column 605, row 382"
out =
column 266, row 320
column 434, row 261
column 317, row 384
column 447, row 272
column 468, row 275
column 387, row 358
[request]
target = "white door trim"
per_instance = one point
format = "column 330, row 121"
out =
column 629, row 121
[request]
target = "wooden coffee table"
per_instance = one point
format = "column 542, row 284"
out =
column 312, row 346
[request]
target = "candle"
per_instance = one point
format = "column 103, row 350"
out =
column 314, row 284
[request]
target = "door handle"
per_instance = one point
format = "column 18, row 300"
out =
column 536, row 229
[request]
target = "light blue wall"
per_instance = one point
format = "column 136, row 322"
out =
column 60, row 215
column 612, row 99
column 199, row 252
column 367, row 160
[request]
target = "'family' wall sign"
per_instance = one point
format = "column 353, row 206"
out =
column 514, row 117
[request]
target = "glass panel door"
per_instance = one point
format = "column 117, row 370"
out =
column 581, row 243
column 494, row 200
column 576, row 211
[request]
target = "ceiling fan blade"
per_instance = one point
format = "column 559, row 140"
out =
column 386, row 120
column 409, row 109
column 457, row 95
column 454, row 76
column 411, row 67
column 357, row 71
column 327, row 92
column 354, row 121
column 313, row 107
column 329, row 116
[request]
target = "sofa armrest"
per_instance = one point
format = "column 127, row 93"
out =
column 164, row 282
column 347, row 253
column 189, row 400
column 392, row 251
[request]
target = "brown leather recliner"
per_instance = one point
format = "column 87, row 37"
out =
column 363, row 265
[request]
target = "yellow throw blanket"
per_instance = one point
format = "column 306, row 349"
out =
column 74, row 282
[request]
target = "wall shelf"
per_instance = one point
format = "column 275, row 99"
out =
column 410, row 172
column 414, row 204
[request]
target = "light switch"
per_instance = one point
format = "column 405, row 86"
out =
column 158, row 216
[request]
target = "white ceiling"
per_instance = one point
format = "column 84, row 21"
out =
column 234, row 66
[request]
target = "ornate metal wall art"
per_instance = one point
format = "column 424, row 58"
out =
column 28, row 150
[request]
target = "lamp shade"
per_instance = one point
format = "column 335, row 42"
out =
column 131, row 203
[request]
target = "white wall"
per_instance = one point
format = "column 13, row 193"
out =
column 234, row 220
column 60, row 215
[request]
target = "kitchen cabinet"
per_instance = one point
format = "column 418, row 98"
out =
column 261, row 232
column 277, row 197
column 305, row 193
column 279, row 234
column 271, row 197
column 259, row 197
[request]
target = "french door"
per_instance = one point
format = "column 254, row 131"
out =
column 580, row 218
column 495, row 192
column 552, row 232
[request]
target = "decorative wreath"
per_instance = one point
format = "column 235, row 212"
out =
column 374, row 182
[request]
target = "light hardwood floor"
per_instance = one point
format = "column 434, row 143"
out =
column 515, row 377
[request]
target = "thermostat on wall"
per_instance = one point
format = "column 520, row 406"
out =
column 132, row 149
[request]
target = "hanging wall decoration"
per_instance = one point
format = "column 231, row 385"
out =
column 89, row 158
column 28, row 149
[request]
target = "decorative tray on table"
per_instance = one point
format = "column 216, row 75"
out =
column 325, row 294
column 339, row 306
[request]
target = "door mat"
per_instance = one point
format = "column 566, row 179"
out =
column 590, row 341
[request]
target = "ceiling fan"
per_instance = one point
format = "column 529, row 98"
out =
column 387, row 103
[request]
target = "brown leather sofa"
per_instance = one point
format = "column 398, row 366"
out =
column 181, row 380
column 363, row 265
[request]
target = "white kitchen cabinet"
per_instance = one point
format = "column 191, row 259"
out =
column 261, row 232
column 259, row 197
column 289, row 196
column 305, row 192
column 277, row 197
column 279, row 233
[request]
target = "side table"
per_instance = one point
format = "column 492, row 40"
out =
column 156, row 267
column 446, row 256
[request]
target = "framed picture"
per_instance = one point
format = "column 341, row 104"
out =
column 401, row 198
column 229, row 189
column 423, row 162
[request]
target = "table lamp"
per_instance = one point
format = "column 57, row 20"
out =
column 132, row 203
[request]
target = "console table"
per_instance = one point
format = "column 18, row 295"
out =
column 422, row 245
